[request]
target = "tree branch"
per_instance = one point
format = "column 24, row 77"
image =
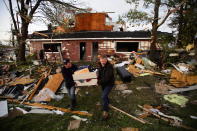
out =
column 18, row 6
column 170, row 12
column 34, row 8
column 12, row 15
column 66, row 4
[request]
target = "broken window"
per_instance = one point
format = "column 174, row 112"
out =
column 105, row 44
column 51, row 47
column 126, row 46
column 145, row 46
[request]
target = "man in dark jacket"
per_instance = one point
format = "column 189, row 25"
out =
column 106, row 81
column 67, row 71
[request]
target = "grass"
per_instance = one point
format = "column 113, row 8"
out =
column 87, row 99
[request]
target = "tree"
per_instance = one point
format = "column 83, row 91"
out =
column 22, row 13
column 60, row 16
column 185, row 22
column 137, row 15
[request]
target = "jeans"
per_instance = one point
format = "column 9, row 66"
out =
column 71, row 95
column 105, row 99
column 71, row 92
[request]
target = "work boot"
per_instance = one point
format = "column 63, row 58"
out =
column 105, row 115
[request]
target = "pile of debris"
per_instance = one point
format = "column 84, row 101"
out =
column 31, row 91
column 174, row 79
column 45, row 84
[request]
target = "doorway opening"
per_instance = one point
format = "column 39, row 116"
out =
column 94, row 51
column 82, row 50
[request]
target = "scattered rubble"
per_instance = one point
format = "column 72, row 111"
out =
column 44, row 83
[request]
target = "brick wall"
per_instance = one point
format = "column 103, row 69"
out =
column 71, row 48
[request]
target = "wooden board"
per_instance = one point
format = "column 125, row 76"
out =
column 24, row 80
column 38, row 84
column 51, row 107
column 53, row 84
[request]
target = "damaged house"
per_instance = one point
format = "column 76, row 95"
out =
column 91, row 34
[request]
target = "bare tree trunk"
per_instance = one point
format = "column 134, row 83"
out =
column 21, row 50
column 195, row 46
column 25, row 19
column 154, row 29
column 25, row 11
column 22, row 41
column 180, row 27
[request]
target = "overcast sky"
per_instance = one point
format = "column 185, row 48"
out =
column 119, row 7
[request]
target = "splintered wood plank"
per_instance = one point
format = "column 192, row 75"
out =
column 51, row 107
column 38, row 84
column 23, row 81
column 133, row 117
column 36, row 87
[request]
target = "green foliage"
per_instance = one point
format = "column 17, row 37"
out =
column 137, row 16
column 185, row 21
column 164, row 40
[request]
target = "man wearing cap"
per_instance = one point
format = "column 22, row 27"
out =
column 67, row 71
column 106, row 81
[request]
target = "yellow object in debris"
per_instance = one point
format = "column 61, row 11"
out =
column 177, row 99
column 130, row 129
column 133, row 70
column 179, row 79
column 189, row 47
column 139, row 61
column 24, row 80
column 118, row 82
